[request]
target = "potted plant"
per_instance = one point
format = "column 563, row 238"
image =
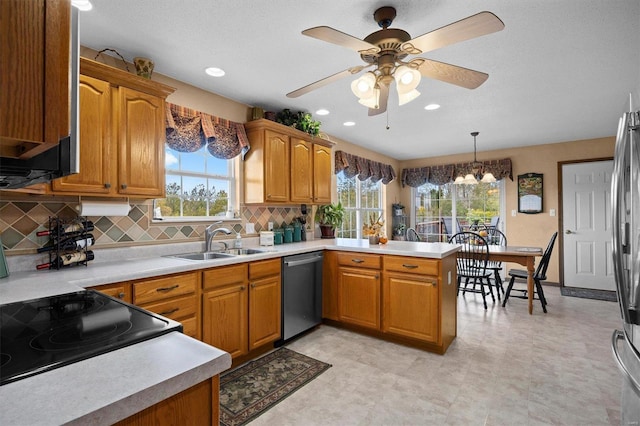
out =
column 301, row 120
column 329, row 217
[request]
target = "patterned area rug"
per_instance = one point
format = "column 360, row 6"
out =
column 253, row 388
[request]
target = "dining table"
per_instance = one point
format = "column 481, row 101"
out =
column 525, row 256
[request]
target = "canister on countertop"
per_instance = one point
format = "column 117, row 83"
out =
column 297, row 232
column 278, row 236
column 288, row 234
column 266, row 238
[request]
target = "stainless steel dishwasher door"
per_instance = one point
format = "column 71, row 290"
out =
column 301, row 293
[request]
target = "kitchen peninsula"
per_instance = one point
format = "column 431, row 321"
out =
column 112, row 386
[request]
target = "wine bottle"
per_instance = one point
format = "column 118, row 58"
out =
column 76, row 242
column 68, row 228
column 67, row 259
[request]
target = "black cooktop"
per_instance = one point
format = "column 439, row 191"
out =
column 42, row 334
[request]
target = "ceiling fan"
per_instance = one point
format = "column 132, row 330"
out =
column 386, row 50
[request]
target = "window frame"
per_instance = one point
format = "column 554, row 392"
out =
column 358, row 209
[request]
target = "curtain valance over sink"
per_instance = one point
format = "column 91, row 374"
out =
column 189, row 130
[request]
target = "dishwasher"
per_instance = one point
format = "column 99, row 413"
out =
column 301, row 294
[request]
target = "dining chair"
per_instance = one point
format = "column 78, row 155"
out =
column 539, row 275
column 497, row 238
column 472, row 263
column 412, row 235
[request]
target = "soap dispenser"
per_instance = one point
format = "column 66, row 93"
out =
column 238, row 242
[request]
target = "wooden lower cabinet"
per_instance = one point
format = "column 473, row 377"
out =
column 410, row 306
column 198, row 405
column 359, row 295
column 411, row 300
column 242, row 306
column 120, row 291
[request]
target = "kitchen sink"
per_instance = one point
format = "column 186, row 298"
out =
column 202, row 255
column 210, row 255
column 242, row 251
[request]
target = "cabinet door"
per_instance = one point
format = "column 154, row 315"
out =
column 359, row 297
column 301, row 171
column 140, row 143
column 96, row 171
column 225, row 319
column 321, row 174
column 264, row 311
column 330, row 285
column 276, row 159
column 411, row 306
column 35, row 66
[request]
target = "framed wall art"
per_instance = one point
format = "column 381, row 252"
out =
column 530, row 193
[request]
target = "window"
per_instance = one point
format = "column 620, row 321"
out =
column 362, row 201
column 198, row 185
column 442, row 210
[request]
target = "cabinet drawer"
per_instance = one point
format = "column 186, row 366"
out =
column 264, row 268
column 359, row 260
column 225, row 275
column 120, row 291
column 165, row 287
column 175, row 308
column 413, row 265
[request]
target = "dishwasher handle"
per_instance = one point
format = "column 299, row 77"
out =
column 291, row 263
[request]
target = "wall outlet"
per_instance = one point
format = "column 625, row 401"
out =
column 270, row 226
column 250, row 228
column 514, row 213
column 552, row 212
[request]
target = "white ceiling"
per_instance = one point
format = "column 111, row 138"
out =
column 561, row 70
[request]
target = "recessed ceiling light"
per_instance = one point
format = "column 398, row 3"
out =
column 431, row 107
column 349, row 123
column 214, row 72
column 322, row 111
column 82, row 5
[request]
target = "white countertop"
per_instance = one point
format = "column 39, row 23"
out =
column 110, row 387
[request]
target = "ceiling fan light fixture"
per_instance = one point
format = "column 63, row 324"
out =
column 372, row 101
column 364, row 86
column 406, row 78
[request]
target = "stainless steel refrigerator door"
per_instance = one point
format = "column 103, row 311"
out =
column 625, row 195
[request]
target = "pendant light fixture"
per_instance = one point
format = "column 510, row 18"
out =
column 476, row 167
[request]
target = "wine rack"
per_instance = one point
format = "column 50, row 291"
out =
column 61, row 232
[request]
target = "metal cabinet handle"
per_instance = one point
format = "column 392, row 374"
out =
column 242, row 287
column 124, row 186
column 377, row 276
column 357, row 260
column 253, row 285
column 107, row 185
column 121, row 295
column 164, row 289
column 170, row 311
column 409, row 266
column 434, row 283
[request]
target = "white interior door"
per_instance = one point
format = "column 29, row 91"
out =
column 586, row 207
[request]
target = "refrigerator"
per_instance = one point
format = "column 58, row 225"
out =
column 625, row 202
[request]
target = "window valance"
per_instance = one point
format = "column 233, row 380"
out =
column 440, row 175
column 189, row 130
column 353, row 165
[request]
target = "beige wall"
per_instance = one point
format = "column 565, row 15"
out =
column 531, row 229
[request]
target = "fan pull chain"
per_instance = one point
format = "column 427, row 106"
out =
column 388, row 119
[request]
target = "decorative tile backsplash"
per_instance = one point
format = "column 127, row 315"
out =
column 20, row 220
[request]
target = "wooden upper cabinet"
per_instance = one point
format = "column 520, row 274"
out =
column 95, row 126
column 141, row 144
column 301, row 171
column 321, row 174
column 34, row 65
column 285, row 165
column 122, row 135
column 276, row 179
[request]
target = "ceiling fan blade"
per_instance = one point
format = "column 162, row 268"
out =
column 465, row 29
column 320, row 83
column 334, row 36
column 452, row 74
column 384, row 98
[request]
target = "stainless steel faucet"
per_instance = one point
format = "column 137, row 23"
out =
column 210, row 232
